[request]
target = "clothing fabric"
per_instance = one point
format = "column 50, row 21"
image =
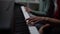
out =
column 50, row 12
column 55, row 3
column 56, row 15
column 43, row 7
column 56, row 27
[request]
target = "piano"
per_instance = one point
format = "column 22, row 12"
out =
column 14, row 21
column 32, row 29
column 20, row 25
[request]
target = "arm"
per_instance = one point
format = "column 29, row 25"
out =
column 34, row 12
column 37, row 19
column 52, row 20
column 38, row 12
column 41, row 31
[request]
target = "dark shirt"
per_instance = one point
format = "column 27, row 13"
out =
column 56, row 28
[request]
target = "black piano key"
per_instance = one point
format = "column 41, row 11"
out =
column 20, row 24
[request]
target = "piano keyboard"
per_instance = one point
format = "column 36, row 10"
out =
column 19, row 26
column 32, row 29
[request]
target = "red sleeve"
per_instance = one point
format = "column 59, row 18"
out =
column 56, row 15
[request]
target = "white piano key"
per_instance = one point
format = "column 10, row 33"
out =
column 26, row 15
column 32, row 29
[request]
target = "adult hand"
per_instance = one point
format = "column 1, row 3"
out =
column 34, row 20
column 28, row 9
column 42, row 27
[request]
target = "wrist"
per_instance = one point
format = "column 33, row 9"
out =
column 46, row 18
column 43, row 18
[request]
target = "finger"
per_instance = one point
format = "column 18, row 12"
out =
column 34, row 19
column 32, row 22
column 44, row 26
column 30, row 18
column 29, row 23
column 37, row 21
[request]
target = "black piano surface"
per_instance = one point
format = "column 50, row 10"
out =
column 17, row 24
column 20, row 24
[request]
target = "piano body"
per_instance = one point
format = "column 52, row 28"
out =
column 12, row 19
column 21, row 15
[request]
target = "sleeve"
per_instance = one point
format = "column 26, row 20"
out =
column 43, row 7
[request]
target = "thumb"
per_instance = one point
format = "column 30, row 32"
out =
column 41, row 29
